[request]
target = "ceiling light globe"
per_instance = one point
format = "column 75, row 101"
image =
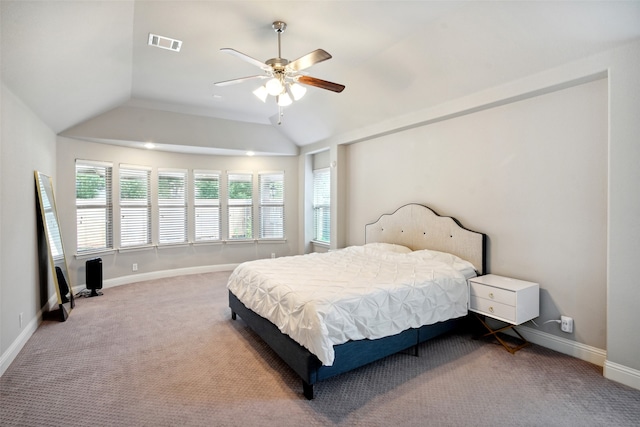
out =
column 274, row 87
column 284, row 100
column 297, row 91
column 261, row 93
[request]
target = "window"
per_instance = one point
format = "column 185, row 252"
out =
column 172, row 206
column 135, row 206
column 207, row 205
column 94, row 208
column 322, row 205
column 271, row 205
column 240, row 206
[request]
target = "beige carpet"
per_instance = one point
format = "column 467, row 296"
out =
column 165, row 353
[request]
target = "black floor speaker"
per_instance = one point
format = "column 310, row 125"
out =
column 94, row 275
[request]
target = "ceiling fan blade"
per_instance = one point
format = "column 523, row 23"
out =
column 246, row 58
column 240, row 80
column 322, row 84
column 308, row 60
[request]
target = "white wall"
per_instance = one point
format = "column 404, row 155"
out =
column 623, row 316
column 27, row 145
column 532, row 175
column 119, row 264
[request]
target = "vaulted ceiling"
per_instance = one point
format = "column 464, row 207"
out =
column 85, row 68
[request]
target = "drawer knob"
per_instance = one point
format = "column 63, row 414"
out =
column 491, row 309
column 490, row 294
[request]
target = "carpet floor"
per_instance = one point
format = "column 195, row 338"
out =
column 166, row 353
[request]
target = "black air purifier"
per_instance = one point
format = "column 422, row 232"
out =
column 94, row 276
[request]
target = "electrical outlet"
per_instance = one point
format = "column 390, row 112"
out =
column 134, row 267
column 273, row 255
column 20, row 320
column 566, row 324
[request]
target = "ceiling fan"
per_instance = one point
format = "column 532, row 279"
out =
column 284, row 77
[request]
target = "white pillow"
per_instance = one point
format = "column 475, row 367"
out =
column 389, row 247
column 461, row 265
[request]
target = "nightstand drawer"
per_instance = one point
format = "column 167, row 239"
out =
column 493, row 308
column 491, row 293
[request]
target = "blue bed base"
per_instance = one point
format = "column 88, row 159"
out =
column 348, row 356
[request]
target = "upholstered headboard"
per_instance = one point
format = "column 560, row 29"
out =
column 419, row 227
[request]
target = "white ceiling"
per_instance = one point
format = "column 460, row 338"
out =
column 84, row 65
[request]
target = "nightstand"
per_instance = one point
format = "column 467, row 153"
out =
column 509, row 300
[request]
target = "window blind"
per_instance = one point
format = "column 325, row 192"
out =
column 271, row 205
column 135, row 206
column 322, row 205
column 172, row 206
column 206, row 205
column 240, row 205
column 94, row 206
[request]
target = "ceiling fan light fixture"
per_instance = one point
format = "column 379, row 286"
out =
column 261, row 93
column 274, row 87
column 286, row 80
column 297, row 91
column 284, row 99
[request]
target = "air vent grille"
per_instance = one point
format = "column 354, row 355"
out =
column 164, row 42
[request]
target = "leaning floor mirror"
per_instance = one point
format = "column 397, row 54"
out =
column 46, row 206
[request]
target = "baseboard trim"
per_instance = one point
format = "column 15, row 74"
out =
column 12, row 352
column 622, row 374
column 153, row 275
column 578, row 350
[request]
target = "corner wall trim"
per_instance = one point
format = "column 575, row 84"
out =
column 578, row 350
column 622, row 374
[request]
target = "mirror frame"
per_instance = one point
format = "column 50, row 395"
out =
column 44, row 187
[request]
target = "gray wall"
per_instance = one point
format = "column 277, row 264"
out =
column 118, row 264
column 531, row 174
column 621, row 68
column 26, row 145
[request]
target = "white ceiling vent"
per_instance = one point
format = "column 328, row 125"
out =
column 164, row 42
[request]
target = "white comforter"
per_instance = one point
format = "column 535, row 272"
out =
column 370, row 291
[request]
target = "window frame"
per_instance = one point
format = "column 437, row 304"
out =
column 245, row 204
column 206, row 205
column 271, row 204
column 322, row 203
column 172, row 211
column 142, row 204
column 105, row 204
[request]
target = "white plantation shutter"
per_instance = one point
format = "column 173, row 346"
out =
column 322, row 205
column 207, row 205
column 172, row 206
column 94, row 206
column 271, row 205
column 135, row 206
column 240, row 205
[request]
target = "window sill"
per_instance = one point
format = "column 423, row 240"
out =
column 93, row 254
column 136, row 248
column 255, row 241
column 173, row 245
column 320, row 246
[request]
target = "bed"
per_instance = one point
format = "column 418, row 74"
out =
column 328, row 313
